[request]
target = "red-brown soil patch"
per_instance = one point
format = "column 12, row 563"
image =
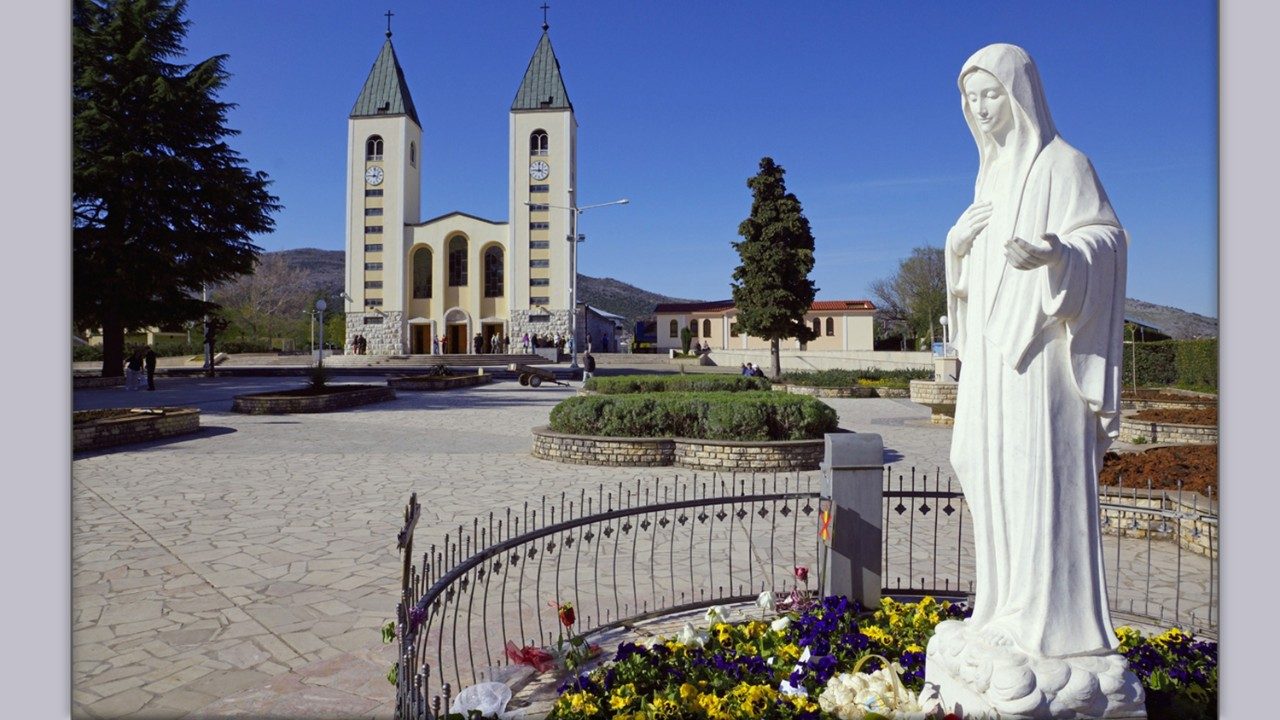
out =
column 1181, row 416
column 1195, row 465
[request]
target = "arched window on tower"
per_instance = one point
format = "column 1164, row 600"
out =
column 831, row 327
column 422, row 274
column 706, row 328
column 373, row 148
column 413, row 154
column 493, row 272
column 457, row 261
column 538, row 142
column 675, row 329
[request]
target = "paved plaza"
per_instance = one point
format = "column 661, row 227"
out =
column 247, row 569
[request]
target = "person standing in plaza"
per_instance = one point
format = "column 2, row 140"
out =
column 149, row 360
column 435, row 345
column 133, row 370
column 588, row 365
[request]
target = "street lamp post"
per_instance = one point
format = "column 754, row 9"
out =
column 320, row 307
column 575, row 238
column 946, row 336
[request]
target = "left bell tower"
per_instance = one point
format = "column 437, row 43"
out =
column 384, row 171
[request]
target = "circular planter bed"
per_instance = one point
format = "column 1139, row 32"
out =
column 1190, row 426
column 95, row 429
column 1195, row 465
column 311, row 400
column 939, row 397
column 1167, row 399
column 727, row 455
column 858, row 391
column 438, row 382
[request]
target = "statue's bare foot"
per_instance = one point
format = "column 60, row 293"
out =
column 997, row 634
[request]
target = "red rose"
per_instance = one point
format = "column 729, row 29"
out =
column 566, row 614
column 802, row 573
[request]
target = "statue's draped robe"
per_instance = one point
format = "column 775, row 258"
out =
column 1038, row 400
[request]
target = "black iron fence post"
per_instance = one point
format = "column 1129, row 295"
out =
column 850, row 521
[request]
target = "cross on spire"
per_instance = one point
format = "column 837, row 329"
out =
column 545, row 25
column 389, row 14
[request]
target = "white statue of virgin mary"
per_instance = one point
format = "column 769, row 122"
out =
column 1036, row 284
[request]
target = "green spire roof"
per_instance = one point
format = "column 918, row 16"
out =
column 542, row 87
column 385, row 91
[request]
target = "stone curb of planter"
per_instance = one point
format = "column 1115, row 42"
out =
column 681, row 452
column 432, row 382
column 96, row 382
column 1194, row 533
column 842, row 392
column 939, row 397
column 278, row 403
column 1163, row 432
column 119, row 426
column 1189, row 404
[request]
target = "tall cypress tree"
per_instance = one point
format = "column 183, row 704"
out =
column 771, row 287
column 161, row 204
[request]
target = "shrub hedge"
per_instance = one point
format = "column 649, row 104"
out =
column 1191, row 364
column 628, row 384
column 853, row 378
column 750, row 416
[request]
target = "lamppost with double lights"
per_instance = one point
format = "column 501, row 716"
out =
column 575, row 238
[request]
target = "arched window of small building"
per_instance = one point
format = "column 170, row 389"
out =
column 817, row 326
column 413, row 154
column 675, row 329
column 373, row 148
column 493, row 272
column 457, row 260
column 422, row 274
column 538, row 142
column 693, row 328
column 831, row 326
column 706, row 328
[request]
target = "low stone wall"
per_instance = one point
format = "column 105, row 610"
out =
column 1197, row 531
column 940, row 397
column 1160, row 432
column 842, row 392
column 280, row 403
column 683, row 452
column 1167, row 404
column 78, row 382
column 96, row 429
column 437, row 382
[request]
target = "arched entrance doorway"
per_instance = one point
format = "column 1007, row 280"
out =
column 421, row 331
column 457, row 329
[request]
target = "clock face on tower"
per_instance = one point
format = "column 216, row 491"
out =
column 373, row 176
column 539, row 170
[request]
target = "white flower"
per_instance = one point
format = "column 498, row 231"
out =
column 689, row 636
column 781, row 623
column 786, row 688
column 490, row 698
column 766, row 601
column 650, row 642
column 718, row 614
column 852, row 695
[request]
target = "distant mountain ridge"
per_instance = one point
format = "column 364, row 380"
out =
column 326, row 267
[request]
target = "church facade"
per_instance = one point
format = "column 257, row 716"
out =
column 418, row 286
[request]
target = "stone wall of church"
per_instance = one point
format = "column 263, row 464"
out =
column 557, row 322
column 386, row 338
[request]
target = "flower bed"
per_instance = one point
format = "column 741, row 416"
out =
column 95, row 429
column 832, row 660
column 311, row 399
column 740, row 416
column 630, row 384
column 724, row 455
column 438, row 382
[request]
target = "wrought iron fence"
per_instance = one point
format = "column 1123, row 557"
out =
column 641, row 550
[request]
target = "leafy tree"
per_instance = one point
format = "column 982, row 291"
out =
column 916, row 296
column 771, row 288
column 161, row 204
column 268, row 302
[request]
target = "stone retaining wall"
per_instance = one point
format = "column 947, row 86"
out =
column 278, row 404
column 1197, row 532
column 1167, row 404
column 1160, row 432
column 682, row 452
column 940, row 397
column 96, row 382
column 433, row 382
column 96, row 429
column 842, row 392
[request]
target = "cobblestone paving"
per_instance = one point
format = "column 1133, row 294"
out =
column 246, row 569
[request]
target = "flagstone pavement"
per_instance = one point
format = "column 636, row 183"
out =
column 246, row 570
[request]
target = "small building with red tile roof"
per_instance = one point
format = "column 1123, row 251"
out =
column 847, row 325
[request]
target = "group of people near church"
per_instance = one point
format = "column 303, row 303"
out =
column 143, row 358
column 752, row 370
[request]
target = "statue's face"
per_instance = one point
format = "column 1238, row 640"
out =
column 988, row 102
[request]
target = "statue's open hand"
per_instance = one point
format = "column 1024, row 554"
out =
column 972, row 221
column 1027, row 255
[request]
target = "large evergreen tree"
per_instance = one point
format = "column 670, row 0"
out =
column 771, row 287
column 161, row 204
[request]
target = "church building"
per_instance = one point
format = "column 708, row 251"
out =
column 410, row 280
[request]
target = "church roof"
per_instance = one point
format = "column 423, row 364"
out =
column 542, row 87
column 385, row 92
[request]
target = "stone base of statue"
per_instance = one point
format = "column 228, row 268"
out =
column 975, row 678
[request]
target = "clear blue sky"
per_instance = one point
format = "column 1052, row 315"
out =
column 677, row 102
